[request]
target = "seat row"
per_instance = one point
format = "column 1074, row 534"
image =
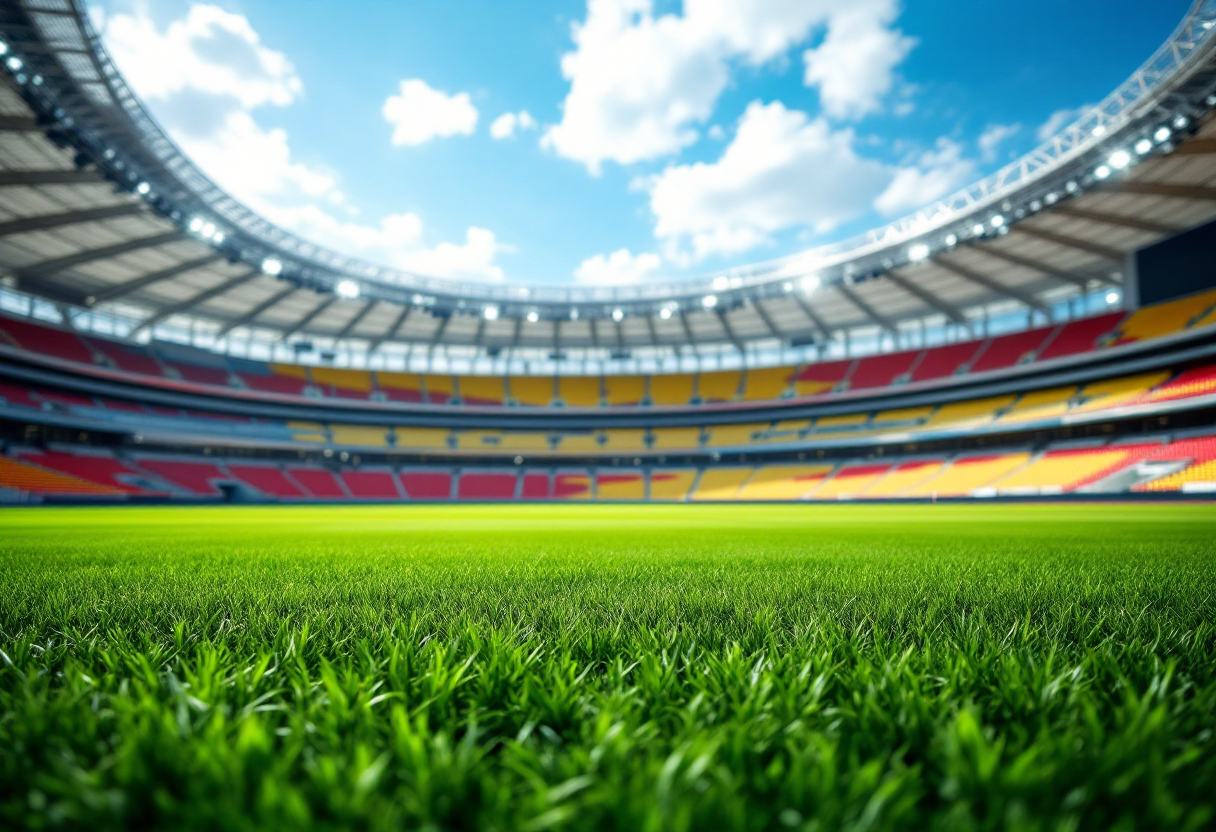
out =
column 1183, row 464
column 820, row 379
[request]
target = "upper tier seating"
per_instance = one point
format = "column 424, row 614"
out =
column 818, row 379
column 1199, row 459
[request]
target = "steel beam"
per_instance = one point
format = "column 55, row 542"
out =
column 391, row 332
column 805, row 306
column 47, row 268
column 1105, row 252
column 121, row 289
column 49, row 221
column 1117, row 220
column 18, row 124
column 1025, row 298
column 951, row 311
column 1203, row 192
column 47, row 177
column 869, row 311
column 1037, row 266
column 354, row 322
column 250, row 316
column 188, row 304
column 309, row 317
column 773, row 329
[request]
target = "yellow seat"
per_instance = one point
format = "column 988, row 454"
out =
column 673, row 389
column 1040, row 404
column 572, row 486
column 409, row 384
column 422, row 438
column 439, row 388
column 624, row 439
column 720, row 483
column 534, row 391
column 849, row 482
column 901, row 478
column 620, row 485
column 722, row 386
column 498, row 440
column 1116, row 392
column 307, row 431
column 783, row 482
column 1056, row 472
column 579, row 391
column 579, row 443
column 903, row 415
column 969, row 414
column 681, row 439
column 347, row 379
column 723, row 436
column 516, row 440
column 767, row 383
column 787, row 430
column 671, row 484
column 1165, row 318
column 359, row 435
column 837, row 424
column 481, row 390
column 963, row 476
column 1204, row 472
column 625, row 390
column 292, row 370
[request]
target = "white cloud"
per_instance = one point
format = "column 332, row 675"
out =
column 992, row 138
column 618, row 268
column 854, row 67
column 419, row 113
column 782, row 170
column 204, row 76
column 1060, row 119
column 933, row 175
column 505, row 126
column 641, row 85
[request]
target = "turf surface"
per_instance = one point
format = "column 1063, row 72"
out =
column 609, row 667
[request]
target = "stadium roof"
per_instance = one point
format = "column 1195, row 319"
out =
column 101, row 211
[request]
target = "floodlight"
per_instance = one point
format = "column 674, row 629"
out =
column 951, row 239
column 196, row 224
column 1120, row 159
column 272, row 267
column 665, row 312
column 721, row 282
column 977, row 229
column 918, row 252
column 217, row 237
column 1099, row 131
column 3, row 48
column 143, row 188
column 1181, row 121
column 208, row 229
column 997, row 221
column 533, row 317
column 618, row 315
column 810, row 283
column 1112, row 297
column 1144, row 146
column 490, row 313
column 709, row 301
column 1162, row 134
column 1101, row 172
column 14, row 63
column 348, row 289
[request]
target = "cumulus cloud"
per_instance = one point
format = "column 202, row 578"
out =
column 1060, row 119
column 506, row 125
column 205, row 76
column 419, row 113
column 782, row 170
column 854, row 67
column 618, row 268
column 992, row 138
column 930, row 176
column 641, row 84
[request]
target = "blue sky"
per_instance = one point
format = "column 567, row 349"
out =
column 660, row 139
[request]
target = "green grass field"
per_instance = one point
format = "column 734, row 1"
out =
column 609, row 667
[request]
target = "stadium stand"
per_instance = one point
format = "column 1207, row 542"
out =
column 319, row 482
column 671, row 484
column 371, row 485
column 620, row 485
column 1166, row 318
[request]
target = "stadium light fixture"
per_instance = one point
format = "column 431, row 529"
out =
column 143, row 188
column 272, row 267
column 348, row 289
column 618, row 315
column 951, row 240
column 918, row 253
column 574, row 314
column 1112, row 298
column 810, row 283
column 208, row 230
column 1181, row 121
column 1119, row 160
column 977, row 229
column 1162, row 134
column 217, row 237
column 1144, row 146
column 1072, row 187
column 665, row 313
column 3, row 48
column 709, row 301
column 14, row 63
column 490, row 313
column 721, row 283
column 196, row 225
column 997, row 221
column 1101, row 172
column 1099, row 131
column 533, row 317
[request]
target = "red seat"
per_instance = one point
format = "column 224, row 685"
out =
column 943, row 362
column 537, row 485
column 129, row 359
column 318, row 482
column 881, row 370
column 47, row 340
column 486, row 486
column 1009, row 350
column 1081, row 336
column 371, row 485
column 424, row 485
column 196, row 477
column 268, row 480
column 103, row 470
column 19, row 396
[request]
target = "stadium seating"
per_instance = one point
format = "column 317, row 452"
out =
column 966, row 475
column 783, row 482
column 536, row 485
column 822, row 378
column 1081, row 336
column 427, row 484
column 579, row 391
column 267, row 479
column 1165, row 318
column 850, row 482
column 486, row 485
column 318, row 482
column 400, row 387
column 1198, row 466
column 33, row 479
column 719, row 386
column 882, row 370
column 101, row 469
column 944, row 362
column 765, row 384
column 672, row 484
column 482, row 390
column 195, row 477
column 46, row 340
column 1010, row 350
column 371, row 485
column 720, row 483
column 572, row 486
column 622, row 391
column 620, row 485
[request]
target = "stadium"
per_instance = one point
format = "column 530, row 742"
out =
column 934, row 549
